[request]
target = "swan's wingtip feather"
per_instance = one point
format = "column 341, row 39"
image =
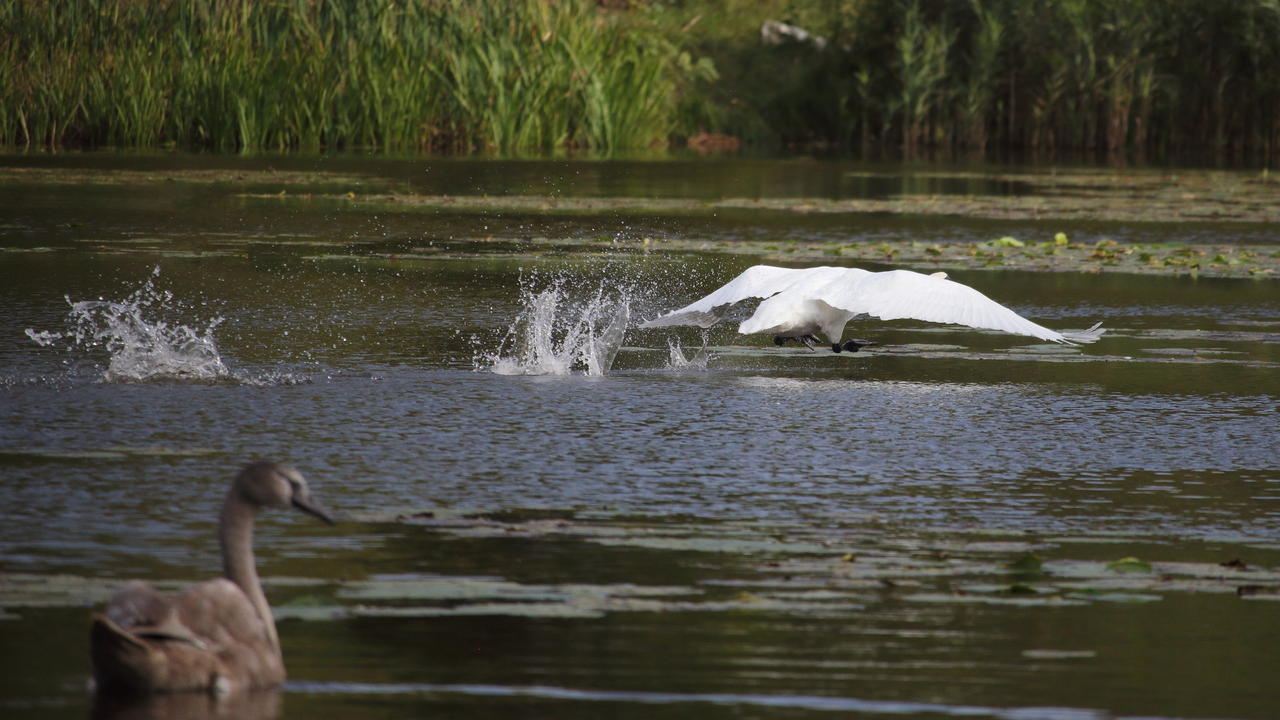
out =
column 1090, row 335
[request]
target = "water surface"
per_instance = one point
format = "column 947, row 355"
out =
column 755, row 532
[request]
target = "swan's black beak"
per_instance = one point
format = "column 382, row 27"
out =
column 309, row 506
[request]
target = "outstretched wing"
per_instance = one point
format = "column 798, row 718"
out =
column 759, row 281
column 898, row 294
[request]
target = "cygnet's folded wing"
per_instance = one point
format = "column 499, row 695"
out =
column 898, row 294
column 759, row 281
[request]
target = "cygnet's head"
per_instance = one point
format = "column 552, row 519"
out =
column 275, row 485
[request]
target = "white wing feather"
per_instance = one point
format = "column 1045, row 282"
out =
column 899, row 294
column 759, row 281
column 890, row 295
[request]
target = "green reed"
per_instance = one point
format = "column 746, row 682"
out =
column 522, row 75
column 533, row 76
column 1117, row 76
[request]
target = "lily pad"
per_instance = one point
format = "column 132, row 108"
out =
column 1129, row 565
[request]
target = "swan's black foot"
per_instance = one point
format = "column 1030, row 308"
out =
column 848, row 346
column 809, row 341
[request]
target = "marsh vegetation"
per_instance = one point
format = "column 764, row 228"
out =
column 1128, row 77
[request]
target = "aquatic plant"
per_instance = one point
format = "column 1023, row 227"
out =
column 1060, row 75
column 922, row 50
column 977, row 102
column 525, row 75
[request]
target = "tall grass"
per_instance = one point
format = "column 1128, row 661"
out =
column 1117, row 76
column 514, row 76
column 922, row 50
column 977, row 99
column 1107, row 76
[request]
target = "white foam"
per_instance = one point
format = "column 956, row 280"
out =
column 556, row 333
column 139, row 343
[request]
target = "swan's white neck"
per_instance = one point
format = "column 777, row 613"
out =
column 236, row 535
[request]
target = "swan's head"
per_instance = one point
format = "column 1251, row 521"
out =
column 274, row 485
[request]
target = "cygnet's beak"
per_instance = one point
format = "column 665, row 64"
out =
column 306, row 504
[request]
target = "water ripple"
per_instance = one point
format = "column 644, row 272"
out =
column 796, row 702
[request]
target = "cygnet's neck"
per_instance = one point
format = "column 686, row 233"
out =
column 238, row 564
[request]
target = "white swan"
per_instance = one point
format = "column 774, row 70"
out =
column 802, row 302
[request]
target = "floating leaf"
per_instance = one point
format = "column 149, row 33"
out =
column 1129, row 565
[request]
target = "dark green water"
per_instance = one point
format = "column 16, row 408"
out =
column 773, row 534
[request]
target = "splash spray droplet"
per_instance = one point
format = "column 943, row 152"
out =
column 677, row 360
column 139, row 343
column 557, row 334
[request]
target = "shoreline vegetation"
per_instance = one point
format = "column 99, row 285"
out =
column 1115, row 78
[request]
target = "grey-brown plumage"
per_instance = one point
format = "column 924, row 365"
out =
column 217, row 635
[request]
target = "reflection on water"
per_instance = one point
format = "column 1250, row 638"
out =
column 704, row 527
column 258, row 705
column 740, row 701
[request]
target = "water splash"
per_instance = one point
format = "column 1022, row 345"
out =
column 556, row 334
column 140, row 345
column 678, row 360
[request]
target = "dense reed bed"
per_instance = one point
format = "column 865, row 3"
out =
column 515, row 76
column 1135, row 77
column 1160, row 77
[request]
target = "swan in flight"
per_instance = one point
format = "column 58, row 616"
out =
column 801, row 302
